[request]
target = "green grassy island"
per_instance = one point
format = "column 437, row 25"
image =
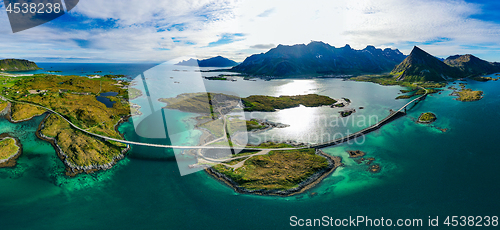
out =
column 426, row 118
column 270, row 104
column 74, row 97
column 283, row 172
column 199, row 102
column 469, row 95
column 9, row 150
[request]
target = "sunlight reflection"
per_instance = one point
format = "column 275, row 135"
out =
column 300, row 119
column 298, row 87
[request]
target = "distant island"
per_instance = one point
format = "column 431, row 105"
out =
column 14, row 65
column 218, row 61
column 465, row 94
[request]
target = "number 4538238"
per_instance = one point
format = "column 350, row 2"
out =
column 485, row 221
column 33, row 8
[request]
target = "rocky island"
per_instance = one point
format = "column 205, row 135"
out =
column 426, row 118
column 10, row 150
column 282, row 173
column 75, row 98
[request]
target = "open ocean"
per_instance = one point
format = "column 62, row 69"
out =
column 425, row 172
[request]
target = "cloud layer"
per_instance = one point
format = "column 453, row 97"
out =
column 137, row 31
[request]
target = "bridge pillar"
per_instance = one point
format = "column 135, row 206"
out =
column 405, row 109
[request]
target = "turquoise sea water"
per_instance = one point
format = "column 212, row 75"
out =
column 425, row 172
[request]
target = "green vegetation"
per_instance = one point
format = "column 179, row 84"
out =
column 21, row 112
column 3, row 105
column 216, row 78
column 234, row 125
column 197, row 102
column 278, row 170
column 75, row 98
column 17, row 65
column 389, row 80
column 408, row 91
column 346, row 113
column 270, row 104
column 404, row 97
column 134, row 93
column 427, row 117
column 8, row 148
column 484, row 79
column 420, row 66
column 253, row 125
column 200, row 102
column 272, row 145
column 469, row 95
column 80, row 148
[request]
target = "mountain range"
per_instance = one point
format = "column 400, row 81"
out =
column 218, row 61
column 421, row 66
column 319, row 58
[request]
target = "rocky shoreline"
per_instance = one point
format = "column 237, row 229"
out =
column 71, row 169
column 268, row 125
column 333, row 163
column 12, row 160
column 7, row 113
column 6, row 110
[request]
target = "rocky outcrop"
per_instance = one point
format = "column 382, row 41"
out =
column 333, row 163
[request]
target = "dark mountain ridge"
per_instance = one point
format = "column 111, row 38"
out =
column 471, row 65
column 218, row 61
column 421, row 66
column 319, row 58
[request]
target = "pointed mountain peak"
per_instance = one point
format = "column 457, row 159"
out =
column 417, row 50
column 422, row 66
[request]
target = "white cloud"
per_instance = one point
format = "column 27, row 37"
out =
column 145, row 29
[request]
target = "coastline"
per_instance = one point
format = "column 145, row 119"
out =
column 7, row 113
column 73, row 170
column 12, row 160
column 333, row 163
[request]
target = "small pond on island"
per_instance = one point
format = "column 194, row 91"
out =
column 103, row 98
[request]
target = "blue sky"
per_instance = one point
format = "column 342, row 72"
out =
column 157, row 31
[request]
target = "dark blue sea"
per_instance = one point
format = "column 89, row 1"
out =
column 425, row 172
